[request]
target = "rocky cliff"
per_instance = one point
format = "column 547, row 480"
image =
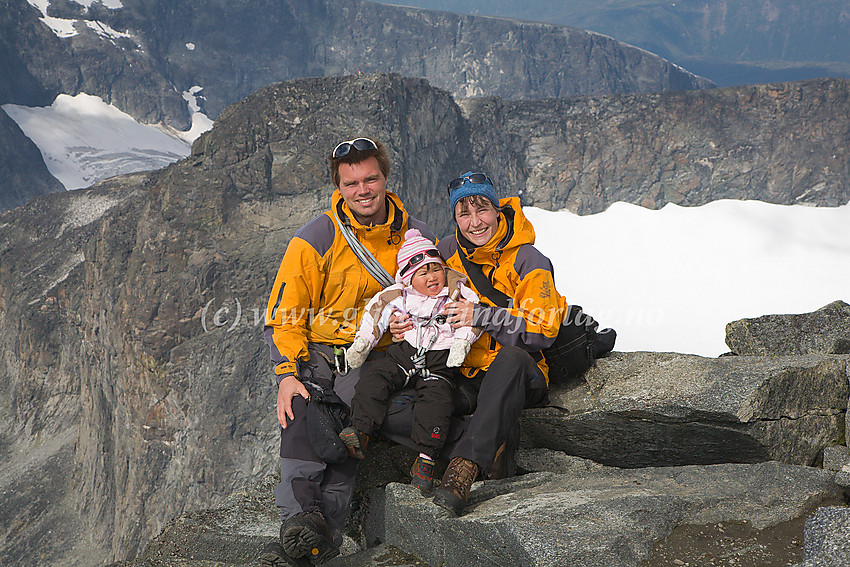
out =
column 134, row 379
column 143, row 55
column 781, row 143
column 23, row 174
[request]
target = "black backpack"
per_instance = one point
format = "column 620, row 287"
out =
column 578, row 343
column 327, row 415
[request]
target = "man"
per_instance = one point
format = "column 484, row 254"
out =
column 313, row 313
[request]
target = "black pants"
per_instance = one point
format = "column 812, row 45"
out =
column 431, row 416
column 511, row 383
column 307, row 482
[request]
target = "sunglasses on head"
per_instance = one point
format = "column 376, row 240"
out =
column 472, row 178
column 359, row 144
column 432, row 252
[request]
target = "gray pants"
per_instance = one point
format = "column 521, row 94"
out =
column 306, row 482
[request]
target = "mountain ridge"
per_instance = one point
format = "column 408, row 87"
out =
column 145, row 57
column 732, row 43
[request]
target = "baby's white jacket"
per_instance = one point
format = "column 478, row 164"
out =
column 421, row 308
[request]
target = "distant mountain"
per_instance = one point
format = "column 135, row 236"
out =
column 142, row 56
column 731, row 43
column 147, row 56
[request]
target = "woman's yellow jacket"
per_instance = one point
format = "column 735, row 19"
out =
column 517, row 269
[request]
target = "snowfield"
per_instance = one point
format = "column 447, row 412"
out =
column 670, row 280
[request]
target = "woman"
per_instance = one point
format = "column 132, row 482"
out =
column 493, row 246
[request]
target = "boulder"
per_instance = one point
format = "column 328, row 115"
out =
column 663, row 409
column 596, row 516
column 825, row 331
column 835, row 457
column 827, row 538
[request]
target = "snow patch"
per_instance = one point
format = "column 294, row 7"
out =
column 107, row 32
column 65, row 28
column 669, row 280
column 111, row 4
column 200, row 121
column 84, row 140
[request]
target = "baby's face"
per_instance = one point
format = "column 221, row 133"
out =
column 430, row 279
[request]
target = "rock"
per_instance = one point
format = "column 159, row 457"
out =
column 825, row 331
column 835, row 457
column 584, row 514
column 842, row 477
column 608, row 517
column 661, row 409
column 827, row 538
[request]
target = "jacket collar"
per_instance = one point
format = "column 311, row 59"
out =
column 396, row 214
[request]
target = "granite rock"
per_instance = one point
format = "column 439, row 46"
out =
column 825, row 331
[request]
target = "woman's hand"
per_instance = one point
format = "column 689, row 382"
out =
column 288, row 388
column 458, row 313
column 399, row 325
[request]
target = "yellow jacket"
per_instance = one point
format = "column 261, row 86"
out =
column 517, row 269
column 321, row 287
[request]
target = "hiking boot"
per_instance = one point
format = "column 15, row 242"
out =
column 273, row 555
column 355, row 442
column 306, row 535
column 504, row 465
column 423, row 475
column 454, row 489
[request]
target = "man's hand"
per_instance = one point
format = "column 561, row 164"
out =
column 399, row 325
column 288, row 388
column 458, row 313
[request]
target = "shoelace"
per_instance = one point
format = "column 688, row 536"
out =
column 460, row 479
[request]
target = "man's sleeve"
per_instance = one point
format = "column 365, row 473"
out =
column 296, row 287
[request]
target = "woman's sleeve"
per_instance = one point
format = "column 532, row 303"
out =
column 533, row 320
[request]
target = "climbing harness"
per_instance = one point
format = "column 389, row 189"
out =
column 422, row 348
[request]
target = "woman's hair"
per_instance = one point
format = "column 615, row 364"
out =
column 477, row 200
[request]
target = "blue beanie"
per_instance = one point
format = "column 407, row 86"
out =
column 469, row 188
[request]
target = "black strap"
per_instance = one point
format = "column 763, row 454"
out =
column 482, row 282
column 485, row 287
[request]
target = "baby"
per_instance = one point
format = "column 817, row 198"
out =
column 426, row 360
